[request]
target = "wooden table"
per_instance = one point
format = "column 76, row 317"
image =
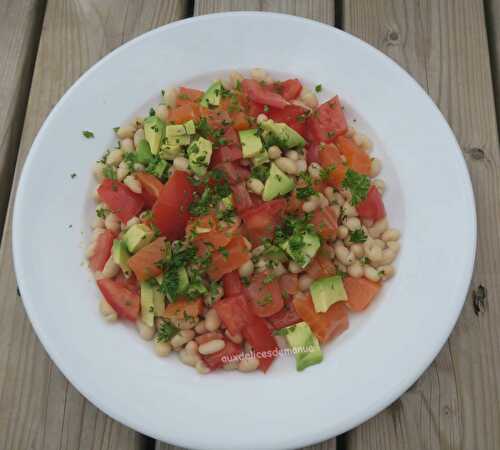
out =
column 451, row 47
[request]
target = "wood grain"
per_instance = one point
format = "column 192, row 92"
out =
column 39, row 409
column 321, row 10
column 20, row 26
column 492, row 12
column 443, row 44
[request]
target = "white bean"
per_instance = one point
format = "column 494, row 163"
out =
column 301, row 165
column 394, row 246
column 236, row 338
column 338, row 198
column 314, row 170
column 357, row 250
column 139, row 167
column 342, row 232
column 246, row 269
column 107, row 311
column 311, row 204
column 90, row 250
column 139, row 136
column 182, row 338
column 293, row 267
column 261, row 265
column 344, row 255
column 248, row 364
column 236, row 77
column 274, row 152
column 323, row 201
column 287, row 165
column 309, row 98
column 212, row 321
column 122, row 171
column 386, row 272
column 346, row 193
column 126, row 131
column 292, row 154
column 127, row 145
column 379, row 243
column 161, row 112
column 146, row 332
column 364, row 142
column 392, row 234
column 374, row 254
column 330, row 194
column 349, row 210
column 355, row 270
column 336, row 210
column 201, row 367
column 353, row 223
column 170, row 97
column 257, row 251
column 162, row 348
column 368, row 223
column 261, row 118
column 258, row 74
column 210, row 347
column 192, row 347
column 371, row 273
column 388, row 256
column 112, row 223
column 200, row 328
column 378, row 228
column 98, row 170
column 181, row 163
column 190, row 359
column 278, row 270
column 114, row 157
column 376, row 167
column 133, row 184
column 305, row 282
column 255, row 185
column 132, row 221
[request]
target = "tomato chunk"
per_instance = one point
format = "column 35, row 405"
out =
column 327, row 122
column 372, row 207
column 360, row 292
column 183, row 113
column 294, row 116
column 182, row 308
column 258, row 94
column 242, row 199
column 187, row 96
column 144, row 262
column 232, row 284
column 264, row 294
column 120, row 199
column 171, row 210
column 126, row 303
column 284, row 318
column 229, row 258
column 151, row 187
column 225, row 356
column 228, row 153
column 330, row 159
column 325, row 222
column 261, row 221
column 263, row 342
column 289, row 89
column 234, row 313
column 357, row 159
column 102, row 252
column 233, row 172
column 326, row 325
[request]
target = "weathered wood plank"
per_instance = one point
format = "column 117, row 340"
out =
column 443, row 44
column 20, row 27
column 492, row 11
column 39, row 409
column 321, row 10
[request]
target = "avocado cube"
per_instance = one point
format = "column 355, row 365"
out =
column 175, row 130
column 121, row 256
column 137, row 237
column 179, row 140
column 282, row 135
column 251, row 143
column 143, row 152
column 147, row 304
column 228, row 202
column 170, row 152
column 278, row 183
column 260, row 158
column 199, row 155
column 190, row 127
column 327, row 291
column 159, row 303
column 302, row 248
column 212, row 95
column 160, row 168
column 304, row 344
column 154, row 132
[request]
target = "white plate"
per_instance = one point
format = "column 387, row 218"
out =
column 429, row 197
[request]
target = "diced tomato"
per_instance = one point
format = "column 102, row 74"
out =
column 120, row 199
column 294, row 204
column 312, row 153
column 228, row 153
column 232, row 284
column 326, row 325
column 327, row 122
column 329, row 157
column 231, row 137
column 292, row 115
column 125, row 302
column 325, row 222
column 261, row 221
column 357, row 159
column 241, row 197
column 130, row 283
column 263, row 342
column 183, row 113
column 264, row 294
column 372, row 207
column 182, row 308
column 258, row 94
column 360, row 292
column 254, row 109
column 326, row 263
column 151, row 187
column 320, row 267
column 289, row 89
column 240, row 121
column 188, row 95
column 171, row 210
column 284, row 318
column 232, row 257
column 234, row 313
column 217, row 118
column 207, row 230
column 207, row 337
column 217, row 360
column 289, row 283
column 144, row 262
column 234, row 172
column 102, row 251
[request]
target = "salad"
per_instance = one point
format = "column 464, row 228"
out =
column 240, row 223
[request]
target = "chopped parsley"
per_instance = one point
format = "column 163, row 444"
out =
column 357, row 236
column 73, row 175
column 102, row 212
column 325, row 172
column 305, row 192
column 260, row 172
column 166, row 331
column 109, row 172
column 224, row 252
column 318, row 88
column 357, row 184
column 88, row 134
column 152, row 112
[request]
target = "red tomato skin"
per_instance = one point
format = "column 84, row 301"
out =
column 234, row 172
column 120, row 199
column 326, row 122
column 254, row 109
column 292, row 115
column 217, row 360
column 125, row 302
column 312, row 153
column 325, row 222
column 228, row 153
column 260, row 221
column 372, row 207
column 263, row 342
column 284, row 318
column 234, row 313
column 258, row 94
column 235, row 255
column 232, row 284
column 104, row 243
column 151, row 187
column 264, row 296
column 289, row 89
column 241, row 197
column 171, row 210
column 187, row 95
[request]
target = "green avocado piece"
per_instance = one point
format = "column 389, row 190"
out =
column 170, row 151
column 251, row 143
column 327, row 291
column 137, row 237
column 159, row 303
column 212, row 95
column 228, row 202
column 154, row 132
column 175, row 130
column 199, row 155
column 143, row 152
column 304, row 344
column 302, row 248
column 282, row 135
column 190, row 127
column 147, row 304
column 121, row 256
column 179, row 140
column 278, row 183
column 160, row 168
column 260, row 158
